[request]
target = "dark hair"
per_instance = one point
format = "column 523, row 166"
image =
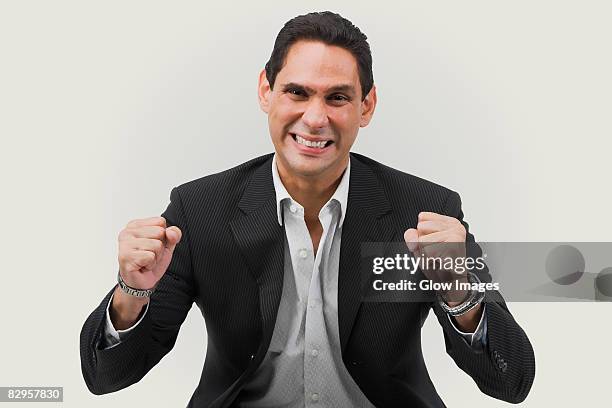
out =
column 331, row 29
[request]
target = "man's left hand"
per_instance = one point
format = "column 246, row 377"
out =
column 443, row 237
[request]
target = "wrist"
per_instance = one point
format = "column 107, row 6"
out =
column 125, row 309
column 468, row 322
column 473, row 299
column 455, row 297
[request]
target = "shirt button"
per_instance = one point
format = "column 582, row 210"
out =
column 292, row 208
column 303, row 253
column 314, row 397
column 314, row 352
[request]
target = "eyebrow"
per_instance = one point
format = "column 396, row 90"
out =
column 347, row 88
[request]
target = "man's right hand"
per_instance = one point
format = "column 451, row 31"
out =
column 145, row 251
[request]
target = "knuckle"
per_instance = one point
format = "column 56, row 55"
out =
column 158, row 245
column 124, row 258
column 141, row 260
column 160, row 232
column 132, row 223
column 150, row 258
column 123, row 235
column 156, row 221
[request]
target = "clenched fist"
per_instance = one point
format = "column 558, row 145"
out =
column 145, row 251
column 439, row 237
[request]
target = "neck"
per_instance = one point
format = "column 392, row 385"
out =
column 312, row 192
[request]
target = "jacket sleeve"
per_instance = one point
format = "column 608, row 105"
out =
column 504, row 367
column 111, row 369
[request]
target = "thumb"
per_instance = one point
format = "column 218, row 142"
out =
column 411, row 236
column 173, row 236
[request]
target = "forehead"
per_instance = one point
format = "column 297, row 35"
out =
column 318, row 65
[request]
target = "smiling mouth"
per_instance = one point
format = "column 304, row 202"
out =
column 322, row 144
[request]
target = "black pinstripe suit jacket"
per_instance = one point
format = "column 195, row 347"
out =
column 230, row 262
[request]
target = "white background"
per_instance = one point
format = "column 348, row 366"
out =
column 105, row 106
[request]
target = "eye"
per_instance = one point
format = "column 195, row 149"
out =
column 338, row 99
column 296, row 92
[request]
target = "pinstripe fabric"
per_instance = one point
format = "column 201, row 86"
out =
column 230, row 262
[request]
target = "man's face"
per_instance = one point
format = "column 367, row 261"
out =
column 315, row 109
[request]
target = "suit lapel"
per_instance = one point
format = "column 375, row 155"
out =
column 261, row 241
column 364, row 222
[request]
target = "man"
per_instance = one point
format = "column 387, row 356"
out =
column 270, row 253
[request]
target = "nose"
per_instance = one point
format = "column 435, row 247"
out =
column 315, row 115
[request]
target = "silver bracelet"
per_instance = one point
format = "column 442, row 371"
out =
column 473, row 299
column 142, row 293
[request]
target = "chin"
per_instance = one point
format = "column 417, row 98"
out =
column 307, row 170
column 307, row 166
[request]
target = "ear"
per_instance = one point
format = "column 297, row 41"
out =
column 264, row 91
column 367, row 107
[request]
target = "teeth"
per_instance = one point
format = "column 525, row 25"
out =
column 308, row 143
